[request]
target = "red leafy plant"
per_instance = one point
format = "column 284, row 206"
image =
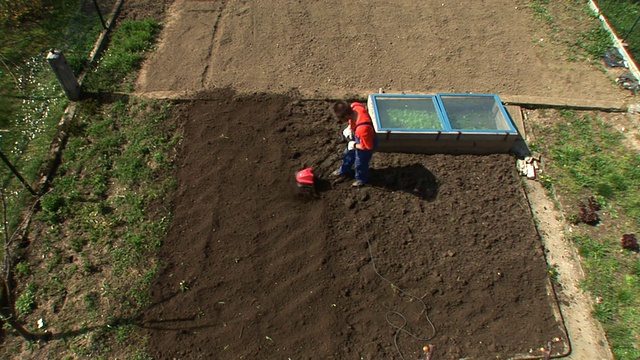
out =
column 592, row 203
column 588, row 211
column 630, row 242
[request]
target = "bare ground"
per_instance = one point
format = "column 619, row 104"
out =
column 273, row 276
column 332, row 49
column 444, row 243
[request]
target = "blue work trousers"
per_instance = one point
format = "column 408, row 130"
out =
column 359, row 158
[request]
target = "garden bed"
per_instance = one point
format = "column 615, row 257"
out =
column 445, row 243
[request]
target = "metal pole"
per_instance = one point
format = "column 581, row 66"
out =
column 104, row 25
column 64, row 73
column 16, row 173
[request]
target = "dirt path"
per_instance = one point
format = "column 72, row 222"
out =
column 332, row 49
column 294, row 281
column 585, row 333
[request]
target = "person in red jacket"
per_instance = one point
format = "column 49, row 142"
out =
column 362, row 141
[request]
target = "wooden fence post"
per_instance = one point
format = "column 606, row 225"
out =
column 63, row 72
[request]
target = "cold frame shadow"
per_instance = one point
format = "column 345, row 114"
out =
column 414, row 179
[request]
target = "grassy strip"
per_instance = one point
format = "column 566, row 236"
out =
column 102, row 222
column 99, row 229
column 586, row 159
column 31, row 99
column 96, row 232
column 622, row 15
column 126, row 52
column 573, row 25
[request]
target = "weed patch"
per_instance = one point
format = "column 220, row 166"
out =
column 100, row 225
column 622, row 15
column 595, row 177
column 124, row 56
column 26, row 303
column 578, row 30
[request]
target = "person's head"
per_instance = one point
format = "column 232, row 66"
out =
column 342, row 110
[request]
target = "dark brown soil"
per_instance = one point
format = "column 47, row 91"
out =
column 439, row 249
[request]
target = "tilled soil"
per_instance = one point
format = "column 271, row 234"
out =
column 439, row 249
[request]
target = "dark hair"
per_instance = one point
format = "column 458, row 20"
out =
column 341, row 110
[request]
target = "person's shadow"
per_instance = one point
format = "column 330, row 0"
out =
column 414, row 179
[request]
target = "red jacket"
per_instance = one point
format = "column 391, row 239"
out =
column 363, row 127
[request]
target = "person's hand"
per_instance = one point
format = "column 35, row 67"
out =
column 351, row 145
column 348, row 135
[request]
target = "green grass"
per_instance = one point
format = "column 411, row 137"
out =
column 31, row 99
column 106, row 214
column 124, row 57
column 586, row 157
column 622, row 15
column 574, row 26
column 97, row 214
column 590, row 45
column 588, row 153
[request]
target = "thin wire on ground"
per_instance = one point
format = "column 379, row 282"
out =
column 400, row 328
